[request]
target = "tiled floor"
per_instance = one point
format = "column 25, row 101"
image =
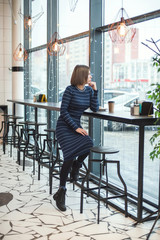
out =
column 32, row 213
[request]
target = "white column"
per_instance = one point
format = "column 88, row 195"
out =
column 17, row 37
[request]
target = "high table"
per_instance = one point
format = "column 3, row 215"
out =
column 123, row 117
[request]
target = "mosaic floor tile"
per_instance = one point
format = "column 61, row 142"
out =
column 32, row 213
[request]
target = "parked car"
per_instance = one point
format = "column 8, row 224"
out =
column 111, row 93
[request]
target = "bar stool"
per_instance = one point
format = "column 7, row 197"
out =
column 4, row 125
column 23, row 138
column 47, row 155
column 103, row 163
column 33, row 146
column 56, row 164
column 11, row 136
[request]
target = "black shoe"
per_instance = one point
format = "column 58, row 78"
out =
column 75, row 171
column 59, row 197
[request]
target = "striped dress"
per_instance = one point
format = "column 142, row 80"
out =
column 74, row 102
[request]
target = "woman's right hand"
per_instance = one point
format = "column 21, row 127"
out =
column 93, row 85
column 81, row 131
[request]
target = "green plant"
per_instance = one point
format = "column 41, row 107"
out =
column 154, row 95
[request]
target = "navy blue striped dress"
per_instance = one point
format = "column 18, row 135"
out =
column 74, row 102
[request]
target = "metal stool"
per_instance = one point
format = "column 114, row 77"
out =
column 47, row 155
column 90, row 191
column 56, row 164
column 4, row 125
column 12, row 139
column 33, row 146
column 24, row 138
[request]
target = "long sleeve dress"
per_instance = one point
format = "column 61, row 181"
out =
column 74, row 102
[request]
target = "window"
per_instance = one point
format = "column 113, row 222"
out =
column 133, row 9
column 73, row 22
column 39, row 33
column 76, row 53
column 137, row 58
column 38, row 81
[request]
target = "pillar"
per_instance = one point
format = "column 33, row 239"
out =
column 17, row 66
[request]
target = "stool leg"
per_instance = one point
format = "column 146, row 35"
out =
column 83, row 188
column 99, row 190
column 50, row 160
column 5, row 135
column 158, row 216
column 125, row 188
column 106, row 184
column 24, row 160
column 18, row 156
column 11, row 149
column 57, row 160
column 50, row 181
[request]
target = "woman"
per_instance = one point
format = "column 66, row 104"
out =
column 73, row 139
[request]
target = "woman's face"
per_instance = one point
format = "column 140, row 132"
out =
column 89, row 77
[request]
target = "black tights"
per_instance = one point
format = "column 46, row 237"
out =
column 66, row 168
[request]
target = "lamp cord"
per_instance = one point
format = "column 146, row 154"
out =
column 122, row 8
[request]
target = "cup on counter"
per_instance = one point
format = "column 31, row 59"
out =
column 111, row 106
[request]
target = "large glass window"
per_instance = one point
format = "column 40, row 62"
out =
column 128, row 66
column 72, row 21
column 38, row 80
column 39, row 32
column 77, row 52
column 128, row 69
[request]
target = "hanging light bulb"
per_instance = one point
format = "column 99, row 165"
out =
column 120, row 31
column 29, row 21
column 20, row 54
column 55, row 46
column 122, row 28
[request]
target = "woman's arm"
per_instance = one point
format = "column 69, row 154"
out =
column 94, row 105
column 67, row 96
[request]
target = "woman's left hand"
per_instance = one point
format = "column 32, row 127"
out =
column 81, row 131
column 93, row 85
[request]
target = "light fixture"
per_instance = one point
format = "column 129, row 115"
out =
column 120, row 31
column 55, row 46
column 20, row 54
column 29, row 22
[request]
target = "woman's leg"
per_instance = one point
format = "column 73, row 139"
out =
column 59, row 196
column 82, row 157
column 77, row 165
column 66, row 167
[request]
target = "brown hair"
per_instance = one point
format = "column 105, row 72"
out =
column 79, row 75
